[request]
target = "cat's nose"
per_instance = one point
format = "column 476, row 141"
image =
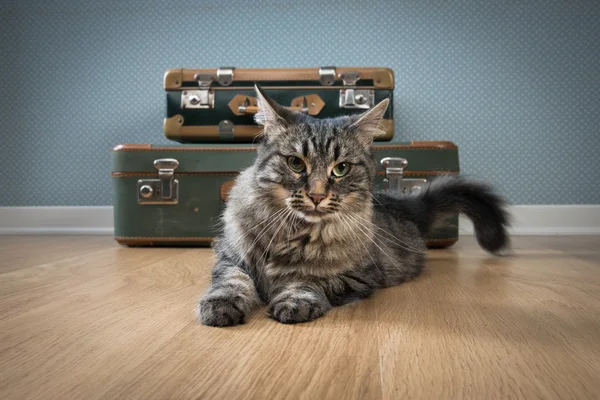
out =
column 316, row 197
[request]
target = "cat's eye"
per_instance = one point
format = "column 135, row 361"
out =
column 341, row 169
column 296, row 164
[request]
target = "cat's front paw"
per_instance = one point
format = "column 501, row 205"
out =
column 219, row 310
column 298, row 307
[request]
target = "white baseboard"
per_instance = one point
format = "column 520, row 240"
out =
column 56, row 220
column 568, row 219
column 527, row 220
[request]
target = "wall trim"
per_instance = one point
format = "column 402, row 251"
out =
column 553, row 219
column 528, row 220
column 50, row 220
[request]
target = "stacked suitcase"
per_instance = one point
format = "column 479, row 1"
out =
column 174, row 194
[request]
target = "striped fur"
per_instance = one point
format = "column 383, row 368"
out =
column 302, row 242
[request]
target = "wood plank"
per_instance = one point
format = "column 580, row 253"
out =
column 335, row 357
column 108, row 325
column 112, row 322
column 472, row 327
column 27, row 251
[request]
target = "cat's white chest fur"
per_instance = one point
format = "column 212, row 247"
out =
column 321, row 249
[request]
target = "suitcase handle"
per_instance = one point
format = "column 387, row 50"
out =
column 311, row 104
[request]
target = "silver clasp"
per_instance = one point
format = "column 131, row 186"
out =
column 197, row 99
column 394, row 181
column 351, row 97
column 166, row 168
column 165, row 189
column 202, row 97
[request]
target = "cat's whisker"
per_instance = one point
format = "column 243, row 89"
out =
column 260, row 134
column 288, row 234
column 275, row 214
column 392, row 238
column 284, row 220
column 263, row 232
column 292, row 225
column 267, row 220
column 375, row 243
column 408, row 246
column 397, row 241
column 374, row 233
column 376, row 199
column 360, row 227
column 357, row 239
column 382, row 238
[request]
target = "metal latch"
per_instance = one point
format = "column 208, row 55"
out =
column 327, row 75
column 394, row 182
column 165, row 189
column 351, row 97
column 203, row 97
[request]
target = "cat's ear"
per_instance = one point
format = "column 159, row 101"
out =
column 270, row 114
column 368, row 124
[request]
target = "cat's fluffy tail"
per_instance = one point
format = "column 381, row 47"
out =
column 476, row 200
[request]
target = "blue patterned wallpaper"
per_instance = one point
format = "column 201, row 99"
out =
column 516, row 84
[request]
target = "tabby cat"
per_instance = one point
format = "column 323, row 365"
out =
column 303, row 232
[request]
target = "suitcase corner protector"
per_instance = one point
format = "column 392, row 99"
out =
column 173, row 79
column 172, row 126
column 383, row 78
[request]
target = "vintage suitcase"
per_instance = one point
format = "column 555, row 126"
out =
column 174, row 194
column 218, row 105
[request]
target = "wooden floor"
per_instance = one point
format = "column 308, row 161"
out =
column 83, row 318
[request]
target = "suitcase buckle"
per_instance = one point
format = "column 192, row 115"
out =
column 202, row 97
column 394, row 182
column 165, row 189
column 194, row 99
column 355, row 98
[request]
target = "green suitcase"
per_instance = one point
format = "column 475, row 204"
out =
column 218, row 105
column 174, row 194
